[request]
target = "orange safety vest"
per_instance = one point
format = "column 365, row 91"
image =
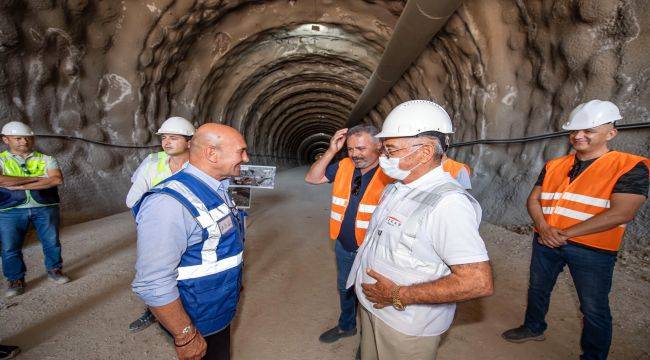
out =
column 341, row 196
column 453, row 167
column 566, row 204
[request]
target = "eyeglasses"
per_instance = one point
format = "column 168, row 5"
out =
column 390, row 153
column 356, row 186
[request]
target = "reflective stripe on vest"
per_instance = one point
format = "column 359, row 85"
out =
column 341, row 197
column 161, row 170
column 453, row 167
column 566, row 204
column 209, row 272
column 208, row 220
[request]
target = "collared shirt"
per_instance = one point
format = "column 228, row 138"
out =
column 142, row 179
column 448, row 235
column 347, row 235
column 50, row 164
column 165, row 230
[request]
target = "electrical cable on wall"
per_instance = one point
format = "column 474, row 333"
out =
column 526, row 139
column 129, row 146
column 543, row 136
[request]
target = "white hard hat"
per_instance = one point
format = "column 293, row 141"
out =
column 415, row 117
column 591, row 114
column 176, row 125
column 16, row 128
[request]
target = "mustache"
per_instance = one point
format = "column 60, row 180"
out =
column 357, row 158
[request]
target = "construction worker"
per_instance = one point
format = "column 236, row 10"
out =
column 579, row 207
column 423, row 252
column 28, row 194
column 190, row 246
column 175, row 134
column 358, row 184
column 459, row 171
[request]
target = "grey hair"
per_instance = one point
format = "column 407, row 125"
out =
column 363, row 129
column 437, row 145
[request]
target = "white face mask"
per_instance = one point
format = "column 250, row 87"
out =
column 390, row 166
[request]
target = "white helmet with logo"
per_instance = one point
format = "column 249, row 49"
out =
column 176, row 125
column 591, row 114
column 16, row 128
column 414, row 117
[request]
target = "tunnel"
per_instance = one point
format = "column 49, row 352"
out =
column 97, row 78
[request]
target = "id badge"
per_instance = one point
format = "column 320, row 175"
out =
column 225, row 224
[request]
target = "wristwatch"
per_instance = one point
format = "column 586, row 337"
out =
column 189, row 329
column 186, row 330
column 397, row 302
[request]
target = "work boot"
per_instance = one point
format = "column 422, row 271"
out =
column 15, row 288
column 57, row 276
column 147, row 318
column 8, row 351
column 335, row 334
column 522, row 334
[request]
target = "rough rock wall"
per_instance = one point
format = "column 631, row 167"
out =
column 285, row 72
column 288, row 72
column 509, row 69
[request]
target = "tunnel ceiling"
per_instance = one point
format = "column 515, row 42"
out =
column 288, row 72
column 280, row 76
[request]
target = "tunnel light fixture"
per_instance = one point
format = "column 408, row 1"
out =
column 311, row 28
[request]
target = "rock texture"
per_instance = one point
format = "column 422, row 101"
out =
column 509, row 69
column 288, row 72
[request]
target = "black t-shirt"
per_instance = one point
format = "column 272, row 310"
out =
column 634, row 181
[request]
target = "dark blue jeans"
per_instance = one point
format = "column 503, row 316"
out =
column 13, row 228
column 591, row 271
column 347, row 297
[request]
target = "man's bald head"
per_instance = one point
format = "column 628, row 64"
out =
column 218, row 150
column 214, row 135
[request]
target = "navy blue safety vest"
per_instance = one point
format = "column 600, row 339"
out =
column 210, row 272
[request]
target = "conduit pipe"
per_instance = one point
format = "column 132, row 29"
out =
column 419, row 22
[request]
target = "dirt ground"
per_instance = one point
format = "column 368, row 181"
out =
column 290, row 294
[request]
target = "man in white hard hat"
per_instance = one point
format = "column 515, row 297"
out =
column 357, row 186
column 175, row 135
column 422, row 252
column 28, row 194
column 579, row 207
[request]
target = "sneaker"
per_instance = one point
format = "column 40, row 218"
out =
column 142, row 322
column 522, row 334
column 57, row 276
column 15, row 288
column 8, row 351
column 335, row 334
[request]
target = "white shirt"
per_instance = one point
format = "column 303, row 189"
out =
column 448, row 235
column 142, row 179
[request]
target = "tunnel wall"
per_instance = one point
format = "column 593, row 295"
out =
column 510, row 69
column 288, row 72
column 112, row 71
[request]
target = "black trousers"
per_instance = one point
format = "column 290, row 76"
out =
column 218, row 345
